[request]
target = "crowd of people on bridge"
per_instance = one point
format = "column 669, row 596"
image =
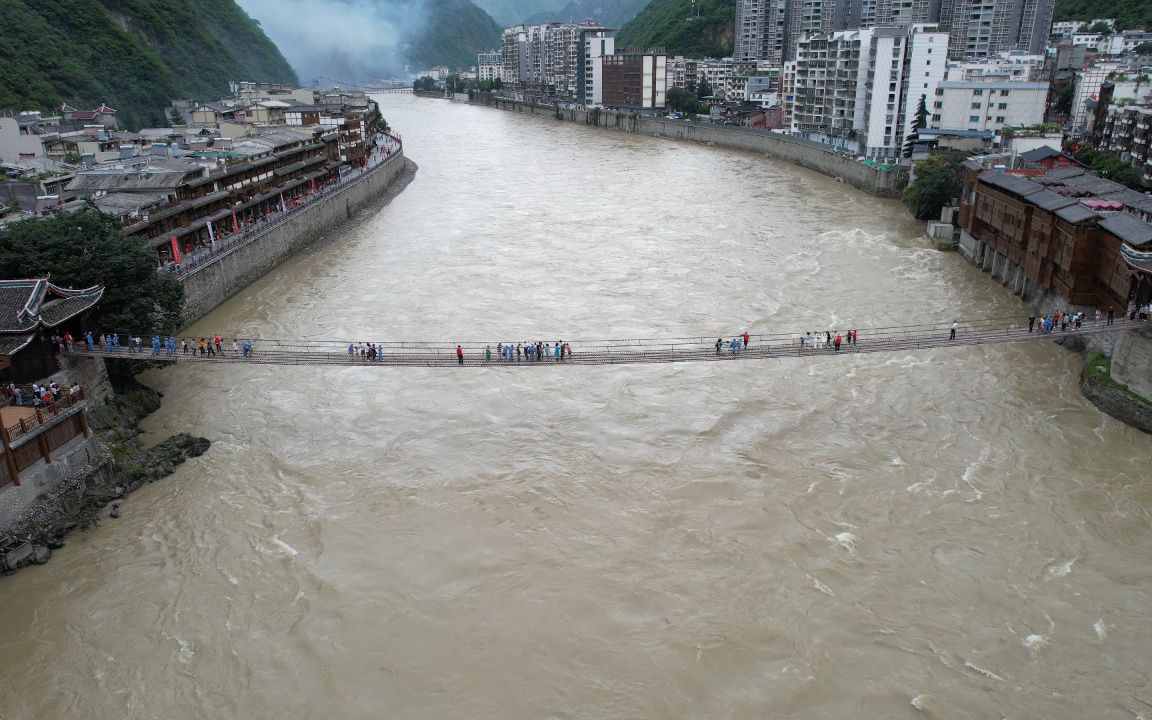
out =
column 827, row 339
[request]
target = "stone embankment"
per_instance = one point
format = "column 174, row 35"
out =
column 90, row 474
column 805, row 153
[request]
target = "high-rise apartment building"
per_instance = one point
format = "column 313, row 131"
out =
column 982, row 28
column 635, row 80
column 858, row 90
column 489, row 66
column 761, row 30
column 771, row 29
column 597, row 44
column 547, row 58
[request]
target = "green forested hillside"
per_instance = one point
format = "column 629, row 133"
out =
column 671, row 24
column 457, row 30
column 1129, row 14
column 610, row 13
column 135, row 55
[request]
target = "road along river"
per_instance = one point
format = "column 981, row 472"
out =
column 953, row 529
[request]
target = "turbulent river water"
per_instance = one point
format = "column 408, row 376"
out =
column 952, row 533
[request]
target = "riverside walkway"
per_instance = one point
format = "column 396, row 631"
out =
column 604, row 352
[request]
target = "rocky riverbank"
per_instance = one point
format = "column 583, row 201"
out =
column 1098, row 381
column 118, row 467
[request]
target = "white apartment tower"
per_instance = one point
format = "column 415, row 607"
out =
column 858, row 90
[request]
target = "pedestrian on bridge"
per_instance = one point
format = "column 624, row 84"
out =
column 954, row 326
column 746, row 338
column 216, row 339
column 838, row 342
column 203, row 351
column 488, row 353
column 1111, row 315
column 519, row 348
column 88, row 339
column 720, row 343
column 853, row 337
column 459, row 354
column 1032, row 322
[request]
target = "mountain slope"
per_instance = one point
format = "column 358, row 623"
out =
column 457, row 30
column 672, row 25
column 135, row 55
column 514, row 12
column 1129, row 14
column 610, row 13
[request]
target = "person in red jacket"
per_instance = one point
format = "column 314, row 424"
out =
column 459, row 355
column 745, row 341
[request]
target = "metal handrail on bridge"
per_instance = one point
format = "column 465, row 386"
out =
column 607, row 352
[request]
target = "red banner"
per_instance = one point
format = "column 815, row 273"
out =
column 175, row 250
column 235, row 224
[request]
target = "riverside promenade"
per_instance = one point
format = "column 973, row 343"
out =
column 237, row 262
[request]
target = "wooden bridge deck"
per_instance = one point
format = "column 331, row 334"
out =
column 610, row 352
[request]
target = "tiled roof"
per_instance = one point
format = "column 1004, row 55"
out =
column 118, row 182
column 1064, row 172
column 1040, row 153
column 1139, row 260
column 1011, row 183
column 26, row 305
column 1050, row 200
column 1076, row 213
column 1129, row 228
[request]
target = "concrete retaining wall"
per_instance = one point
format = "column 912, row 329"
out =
column 811, row 155
column 1117, row 403
column 1132, row 361
column 48, row 492
column 210, row 285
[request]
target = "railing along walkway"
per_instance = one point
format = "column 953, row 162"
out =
column 614, row 352
column 246, row 237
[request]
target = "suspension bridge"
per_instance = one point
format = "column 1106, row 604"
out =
column 590, row 352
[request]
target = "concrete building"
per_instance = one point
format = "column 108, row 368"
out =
column 590, row 79
column 988, row 105
column 635, row 80
column 1007, row 65
column 858, row 89
column 546, row 59
column 982, row 28
column 489, row 66
column 1087, row 93
column 761, row 30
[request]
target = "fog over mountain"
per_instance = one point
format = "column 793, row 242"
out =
column 358, row 40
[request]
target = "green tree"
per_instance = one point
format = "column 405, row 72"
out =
column 681, row 100
column 1143, row 49
column 1110, row 167
column 918, row 124
column 938, row 180
column 703, row 89
column 1063, row 104
column 174, row 117
column 87, row 247
column 1099, row 27
column 497, row 83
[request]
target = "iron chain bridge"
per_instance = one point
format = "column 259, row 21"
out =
column 633, row 351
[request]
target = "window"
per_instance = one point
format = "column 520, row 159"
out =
column 1000, row 118
column 974, row 118
column 929, row 49
column 930, row 40
column 1003, row 93
column 935, row 118
column 975, row 106
column 939, row 92
column 928, row 62
column 892, row 98
column 892, row 86
column 977, row 92
column 927, row 75
column 937, row 104
column 1003, row 106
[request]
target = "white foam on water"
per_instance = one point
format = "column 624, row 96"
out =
column 986, row 673
column 1035, row 642
column 186, row 652
column 920, row 702
column 1059, row 569
column 811, row 487
column 284, row 546
column 848, row 541
column 1100, row 628
column 821, row 586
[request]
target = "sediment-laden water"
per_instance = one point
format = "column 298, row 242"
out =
column 853, row 537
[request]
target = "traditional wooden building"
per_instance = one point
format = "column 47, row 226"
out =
column 1063, row 232
column 31, row 312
